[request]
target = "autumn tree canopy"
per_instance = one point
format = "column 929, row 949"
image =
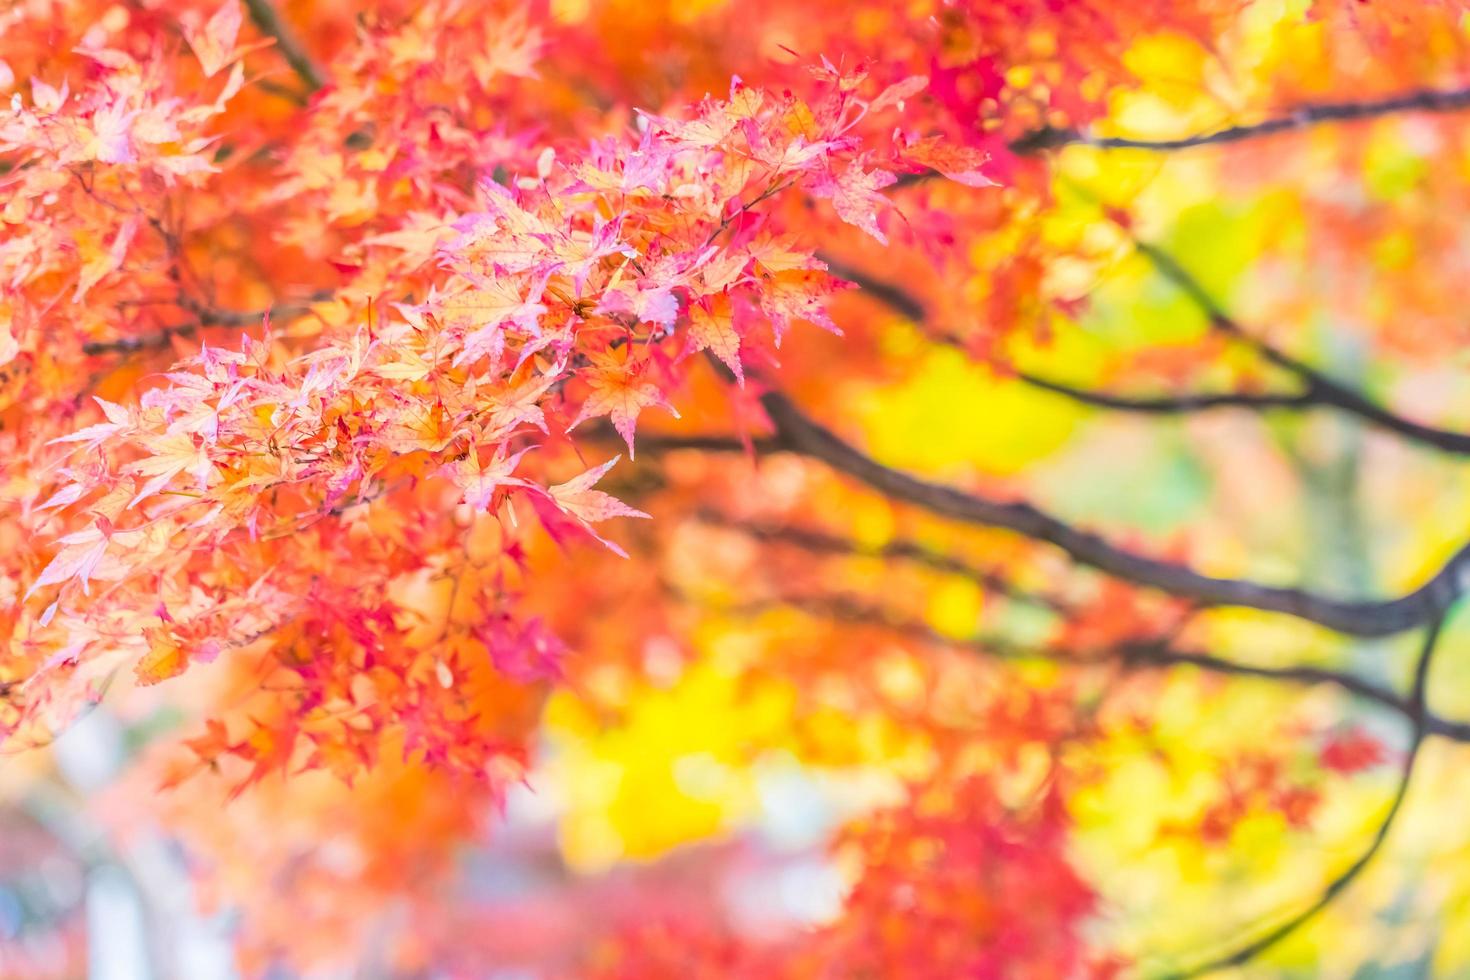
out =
column 593, row 488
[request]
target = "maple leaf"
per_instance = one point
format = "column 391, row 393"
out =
column 509, row 409
column 84, row 553
column 854, row 194
column 100, row 264
column 647, row 304
column 723, row 270
column 577, row 499
column 845, row 79
column 94, row 435
column 409, row 365
column 895, row 94
column 797, row 295
column 479, row 482
column 745, row 101
column 783, row 255
column 166, row 658
column 713, row 126
column 78, row 558
column 47, row 98
column 214, row 743
column 511, row 48
column 487, row 309
column 712, row 328
column 421, row 235
column 506, row 236
column 112, row 140
column 171, row 454
column 619, row 392
column 1352, row 751
column 528, row 652
column 957, row 162
column 214, row 40
column 66, row 495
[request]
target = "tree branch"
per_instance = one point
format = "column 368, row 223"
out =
column 1046, row 138
column 798, row 433
column 891, row 295
column 1171, row 404
column 661, row 442
column 1147, row 655
column 795, row 432
column 1424, row 100
column 1419, row 720
column 1320, row 388
column 1161, row 656
column 264, row 14
column 204, row 317
column 898, row 549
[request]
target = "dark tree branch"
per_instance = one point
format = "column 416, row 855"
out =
column 899, row 549
column 660, row 442
column 1320, row 388
column 1425, row 100
column 1419, row 721
column 204, row 316
column 1130, row 655
column 1171, row 404
column 798, row 433
column 269, row 22
column 891, row 295
column 128, row 345
column 1161, row 656
column 1047, row 138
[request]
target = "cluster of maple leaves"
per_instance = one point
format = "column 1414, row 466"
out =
column 314, row 332
column 581, row 287
column 459, row 290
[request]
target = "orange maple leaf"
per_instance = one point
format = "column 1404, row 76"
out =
column 620, row 393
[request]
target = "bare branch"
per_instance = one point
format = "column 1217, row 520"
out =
column 899, row 549
column 266, row 18
column 205, row 316
column 1320, row 389
column 1425, row 100
column 1171, row 404
column 660, row 442
column 1159, row 656
column 800, row 434
column 1046, row 138
column 891, row 295
column 1130, row 655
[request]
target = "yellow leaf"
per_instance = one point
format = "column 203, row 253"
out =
column 165, row 658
